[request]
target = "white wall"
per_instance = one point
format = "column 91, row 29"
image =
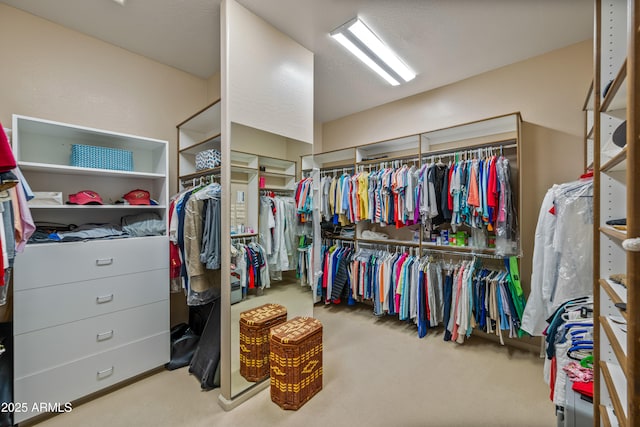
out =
column 271, row 84
column 51, row 72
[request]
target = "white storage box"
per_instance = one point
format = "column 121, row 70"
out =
column 46, row 198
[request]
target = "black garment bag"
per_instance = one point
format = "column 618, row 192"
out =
column 206, row 359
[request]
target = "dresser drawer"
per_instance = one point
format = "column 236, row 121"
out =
column 55, row 305
column 79, row 378
column 52, row 264
column 47, row 348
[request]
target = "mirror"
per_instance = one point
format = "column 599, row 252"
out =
column 269, row 239
column 266, row 82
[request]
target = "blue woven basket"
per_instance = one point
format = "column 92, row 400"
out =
column 90, row 156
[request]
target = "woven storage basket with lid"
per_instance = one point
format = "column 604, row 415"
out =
column 254, row 339
column 296, row 362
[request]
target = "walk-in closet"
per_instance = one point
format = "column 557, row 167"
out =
column 239, row 212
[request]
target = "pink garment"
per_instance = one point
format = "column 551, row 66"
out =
column 28, row 226
column 399, row 265
column 7, row 161
column 577, row 373
column 454, row 333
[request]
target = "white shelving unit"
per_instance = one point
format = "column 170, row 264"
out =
column 277, row 174
column 198, row 133
column 244, row 192
column 617, row 388
column 500, row 133
column 88, row 314
column 43, row 151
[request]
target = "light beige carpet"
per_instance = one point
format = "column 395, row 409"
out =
column 376, row 373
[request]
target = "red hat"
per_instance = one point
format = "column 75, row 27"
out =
column 85, row 197
column 138, row 197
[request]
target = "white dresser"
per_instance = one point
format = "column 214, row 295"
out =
column 88, row 315
column 92, row 313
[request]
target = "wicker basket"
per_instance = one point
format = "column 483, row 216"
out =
column 254, row 339
column 296, row 362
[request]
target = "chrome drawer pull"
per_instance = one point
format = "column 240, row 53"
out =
column 104, row 261
column 105, row 298
column 105, row 373
column 104, row 335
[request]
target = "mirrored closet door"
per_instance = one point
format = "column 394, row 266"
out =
column 267, row 125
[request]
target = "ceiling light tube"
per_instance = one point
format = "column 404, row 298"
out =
column 364, row 44
column 364, row 58
column 366, row 36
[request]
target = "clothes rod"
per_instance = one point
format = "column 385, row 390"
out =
column 406, row 158
column 201, row 176
column 403, row 246
column 504, row 145
column 286, row 193
column 337, row 169
column 244, row 238
column 431, row 251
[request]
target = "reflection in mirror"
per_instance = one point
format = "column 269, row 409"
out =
column 270, row 232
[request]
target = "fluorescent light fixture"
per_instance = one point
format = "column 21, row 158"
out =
column 364, row 58
column 366, row 46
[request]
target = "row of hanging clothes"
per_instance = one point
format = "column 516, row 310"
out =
column 473, row 189
column 304, row 271
column 569, row 349
column 17, row 223
column 195, row 241
column 335, row 189
column 249, row 264
column 304, row 203
column 304, row 199
column 279, row 231
column 427, row 291
column 16, row 229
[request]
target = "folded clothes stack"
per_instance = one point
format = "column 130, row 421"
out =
column 620, row 279
column 618, row 224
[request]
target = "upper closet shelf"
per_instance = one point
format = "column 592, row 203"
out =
column 276, row 166
column 205, row 172
column 201, row 129
column 53, row 147
column 471, row 134
column 244, row 169
column 244, row 160
column 74, row 170
column 616, row 163
column 389, row 150
column 209, row 143
column 277, row 174
column 612, row 232
column 335, row 157
column 616, row 97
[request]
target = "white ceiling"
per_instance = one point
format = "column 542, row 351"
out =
column 442, row 40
